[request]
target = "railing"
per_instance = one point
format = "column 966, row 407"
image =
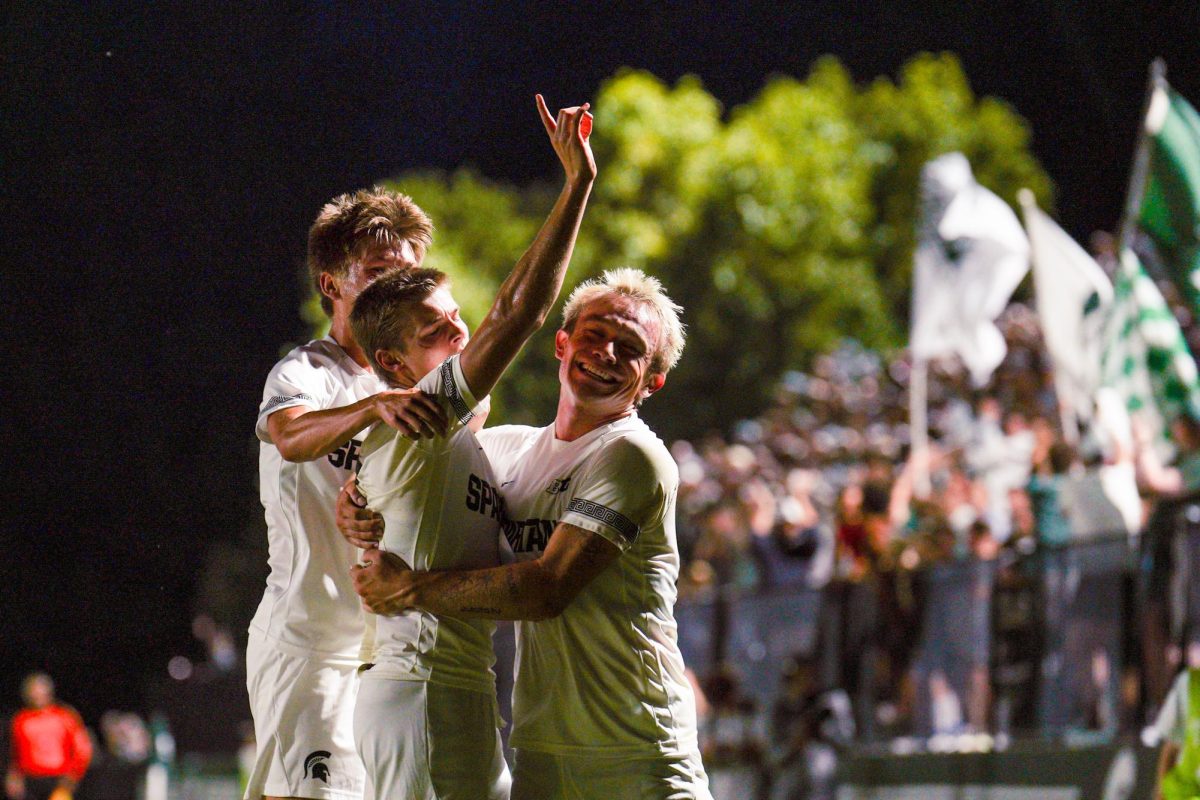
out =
column 1073, row 644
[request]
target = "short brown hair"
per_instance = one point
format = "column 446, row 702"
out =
column 381, row 318
column 352, row 222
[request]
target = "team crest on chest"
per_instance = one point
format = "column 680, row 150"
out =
column 558, row 486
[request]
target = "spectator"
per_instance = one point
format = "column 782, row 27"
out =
column 795, row 552
column 1001, row 455
column 851, row 537
column 119, row 769
column 1171, row 550
column 1060, row 578
column 950, row 668
column 1046, row 487
column 724, row 546
column 809, row 727
column 50, row 747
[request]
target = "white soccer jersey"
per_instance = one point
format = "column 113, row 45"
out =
column 441, row 510
column 606, row 676
column 309, row 607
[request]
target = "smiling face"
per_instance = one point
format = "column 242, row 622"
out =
column 605, row 359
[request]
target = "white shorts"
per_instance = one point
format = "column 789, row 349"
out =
column 542, row 776
column 424, row 741
column 303, row 726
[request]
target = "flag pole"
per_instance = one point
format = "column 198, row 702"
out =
column 1141, row 159
column 918, row 426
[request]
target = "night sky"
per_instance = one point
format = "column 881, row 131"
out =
column 160, row 169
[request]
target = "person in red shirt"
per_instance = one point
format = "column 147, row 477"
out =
column 50, row 748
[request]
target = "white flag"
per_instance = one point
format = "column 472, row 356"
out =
column 971, row 254
column 1074, row 297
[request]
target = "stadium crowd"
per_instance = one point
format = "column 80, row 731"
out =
column 963, row 608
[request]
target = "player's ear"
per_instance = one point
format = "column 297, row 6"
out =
column 560, row 343
column 328, row 285
column 390, row 360
column 653, row 383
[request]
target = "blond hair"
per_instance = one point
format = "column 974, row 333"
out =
column 351, row 223
column 647, row 290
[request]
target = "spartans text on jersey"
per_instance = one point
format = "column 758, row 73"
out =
column 482, row 497
column 346, row 456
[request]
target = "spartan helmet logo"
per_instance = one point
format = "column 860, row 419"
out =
column 315, row 766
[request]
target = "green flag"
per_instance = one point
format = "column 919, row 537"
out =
column 1170, row 209
column 1146, row 358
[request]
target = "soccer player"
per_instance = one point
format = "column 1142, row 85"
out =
column 601, row 707
column 49, row 748
column 425, row 723
column 305, row 637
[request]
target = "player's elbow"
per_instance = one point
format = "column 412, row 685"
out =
column 288, row 451
column 295, row 453
column 554, row 601
column 295, row 448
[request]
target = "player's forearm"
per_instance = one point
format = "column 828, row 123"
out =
column 523, row 591
column 529, row 292
column 314, row 434
column 526, row 297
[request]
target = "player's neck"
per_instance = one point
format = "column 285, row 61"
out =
column 339, row 330
column 573, row 421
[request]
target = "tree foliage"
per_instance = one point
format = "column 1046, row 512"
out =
column 781, row 227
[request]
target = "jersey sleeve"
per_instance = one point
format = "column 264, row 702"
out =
column 624, row 490
column 449, row 386
column 295, row 381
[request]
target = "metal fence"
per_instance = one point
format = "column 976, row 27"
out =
column 1072, row 645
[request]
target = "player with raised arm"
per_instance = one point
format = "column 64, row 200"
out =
column 305, row 636
column 425, row 722
column 601, row 706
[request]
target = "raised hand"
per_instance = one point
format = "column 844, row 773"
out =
column 569, row 137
